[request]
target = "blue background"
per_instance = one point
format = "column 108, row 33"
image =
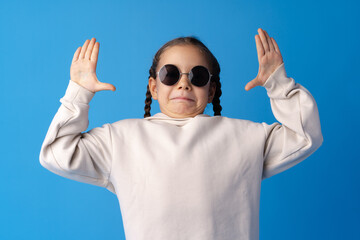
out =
column 319, row 40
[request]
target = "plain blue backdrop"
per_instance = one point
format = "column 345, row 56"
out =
column 319, row 40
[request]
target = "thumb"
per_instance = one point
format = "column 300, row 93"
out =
column 105, row 86
column 251, row 84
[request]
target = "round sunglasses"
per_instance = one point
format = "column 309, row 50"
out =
column 169, row 74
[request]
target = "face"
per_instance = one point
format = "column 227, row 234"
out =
column 182, row 99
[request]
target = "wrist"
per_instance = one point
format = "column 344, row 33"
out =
column 77, row 93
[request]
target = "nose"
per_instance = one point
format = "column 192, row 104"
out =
column 184, row 82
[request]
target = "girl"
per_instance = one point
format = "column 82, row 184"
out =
column 182, row 174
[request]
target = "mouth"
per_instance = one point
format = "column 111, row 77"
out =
column 183, row 99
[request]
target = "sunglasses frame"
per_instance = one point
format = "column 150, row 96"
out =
column 157, row 74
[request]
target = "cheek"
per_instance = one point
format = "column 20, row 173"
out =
column 163, row 91
column 203, row 95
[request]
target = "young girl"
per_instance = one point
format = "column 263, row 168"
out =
column 182, row 174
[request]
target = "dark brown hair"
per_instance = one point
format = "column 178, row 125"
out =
column 213, row 63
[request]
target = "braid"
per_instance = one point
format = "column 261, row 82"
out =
column 216, row 100
column 147, row 103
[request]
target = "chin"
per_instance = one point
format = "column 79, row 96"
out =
column 184, row 114
column 181, row 111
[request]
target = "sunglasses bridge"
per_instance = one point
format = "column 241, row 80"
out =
column 185, row 74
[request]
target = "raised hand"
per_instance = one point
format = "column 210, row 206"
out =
column 83, row 67
column 269, row 57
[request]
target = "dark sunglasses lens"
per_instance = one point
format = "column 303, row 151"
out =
column 200, row 76
column 169, row 74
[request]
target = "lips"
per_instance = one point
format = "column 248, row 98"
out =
column 182, row 98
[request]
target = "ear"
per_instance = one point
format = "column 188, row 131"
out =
column 212, row 90
column 153, row 87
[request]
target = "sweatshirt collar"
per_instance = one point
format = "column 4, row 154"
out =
column 177, row 121
column 161, row 115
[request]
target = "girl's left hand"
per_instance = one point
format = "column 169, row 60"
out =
column 269, row 57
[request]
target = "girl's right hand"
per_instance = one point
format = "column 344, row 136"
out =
column 83, row 67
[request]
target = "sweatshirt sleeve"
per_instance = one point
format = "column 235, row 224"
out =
column 298, row 134
column 67, row 151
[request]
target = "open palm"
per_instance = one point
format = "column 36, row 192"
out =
column 83, row 67
column 269, row 58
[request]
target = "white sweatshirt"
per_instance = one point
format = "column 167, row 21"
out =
column 184, row 179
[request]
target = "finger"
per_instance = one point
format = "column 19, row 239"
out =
column 83, row 49
column 271, row 45
column 263, row 39
column 95, row 52
column 251, row 84
column 90, row 48
column 105, row 86
column 76, row 54
column 259, row 47
column 275, row 45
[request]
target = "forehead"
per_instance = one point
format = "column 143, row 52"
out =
column 183, row 56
